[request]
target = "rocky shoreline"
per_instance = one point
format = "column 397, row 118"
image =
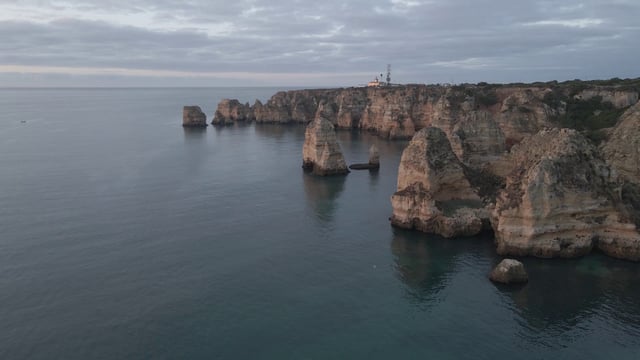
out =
column 486, row 157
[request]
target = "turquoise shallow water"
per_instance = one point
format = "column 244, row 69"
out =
column 123, row 235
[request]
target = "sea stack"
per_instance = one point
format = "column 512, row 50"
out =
column 192, row 116
column 434, row 194
column 321, row 152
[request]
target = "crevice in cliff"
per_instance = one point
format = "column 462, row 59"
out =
column 485, row 183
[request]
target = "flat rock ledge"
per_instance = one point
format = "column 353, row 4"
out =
column 374, row 161
column 509, row 271
column 192, row 116
column 365, row 166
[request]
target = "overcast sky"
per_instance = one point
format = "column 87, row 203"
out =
column 314, row 43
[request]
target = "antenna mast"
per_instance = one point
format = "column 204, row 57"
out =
column 388, row 74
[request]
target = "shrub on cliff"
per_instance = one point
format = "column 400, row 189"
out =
column 555, row 98
column 486, row 98
column 589, row 116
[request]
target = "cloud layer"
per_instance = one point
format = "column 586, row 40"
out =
column 250, row 42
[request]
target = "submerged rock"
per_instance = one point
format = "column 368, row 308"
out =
column 509, row 271
column 561, row 200
column 321, row 153
column 434, row 194
column 192, row 116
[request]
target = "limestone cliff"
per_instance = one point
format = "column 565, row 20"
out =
column 192, row 116
column 619, row 98
column 321, row 152
column 480, row 121
column 622, row 151
column 560, row 200
column 230, row 111
column 434, row 194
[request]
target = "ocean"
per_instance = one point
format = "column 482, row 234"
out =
column 125, row 236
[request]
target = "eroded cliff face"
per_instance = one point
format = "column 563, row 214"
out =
column 230, row 111
column 562, row 200
column 622, row 150
column 481, row 122
column 480, row 149
column 622, row 153
column 192, row 116
column 434, row 194
column 321, row 153
column 620, row 99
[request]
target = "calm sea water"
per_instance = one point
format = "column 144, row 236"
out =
column 123, row 235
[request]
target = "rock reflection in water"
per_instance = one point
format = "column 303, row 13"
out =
column 195, row 141
column 565, row 297
column 424, row 265
column 322, row 193
column 284, row 131
column 194, row 133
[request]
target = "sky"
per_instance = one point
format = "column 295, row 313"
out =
column 314, row 43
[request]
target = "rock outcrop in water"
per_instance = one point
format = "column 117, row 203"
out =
column 434, row 194
column 558, row 198
column 480, row 149
column 509, row 271
column 374, row 160
column 321, row 153
column 230, row 111
column 622, row 153
column 480, row 121
column 192, row 116
column 562, row 200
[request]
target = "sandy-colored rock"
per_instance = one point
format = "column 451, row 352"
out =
column 560, row 200
column 509, row 271
column 620, row 99
column 230, row 111
column 415, row 208
column 622, row 150
column 480, row 123
column 374, row 156
column 321, row 153
column 429, row 160
column 192, row 116
column 434, row 195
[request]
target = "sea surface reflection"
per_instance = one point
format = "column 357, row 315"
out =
column 126, row 236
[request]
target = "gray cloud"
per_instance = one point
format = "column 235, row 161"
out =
column 325, row 43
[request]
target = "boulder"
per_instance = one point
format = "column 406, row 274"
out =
column 509, row 271
column 192, row 116
column 562, row 200
column 434, row 195
column 321, row 153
